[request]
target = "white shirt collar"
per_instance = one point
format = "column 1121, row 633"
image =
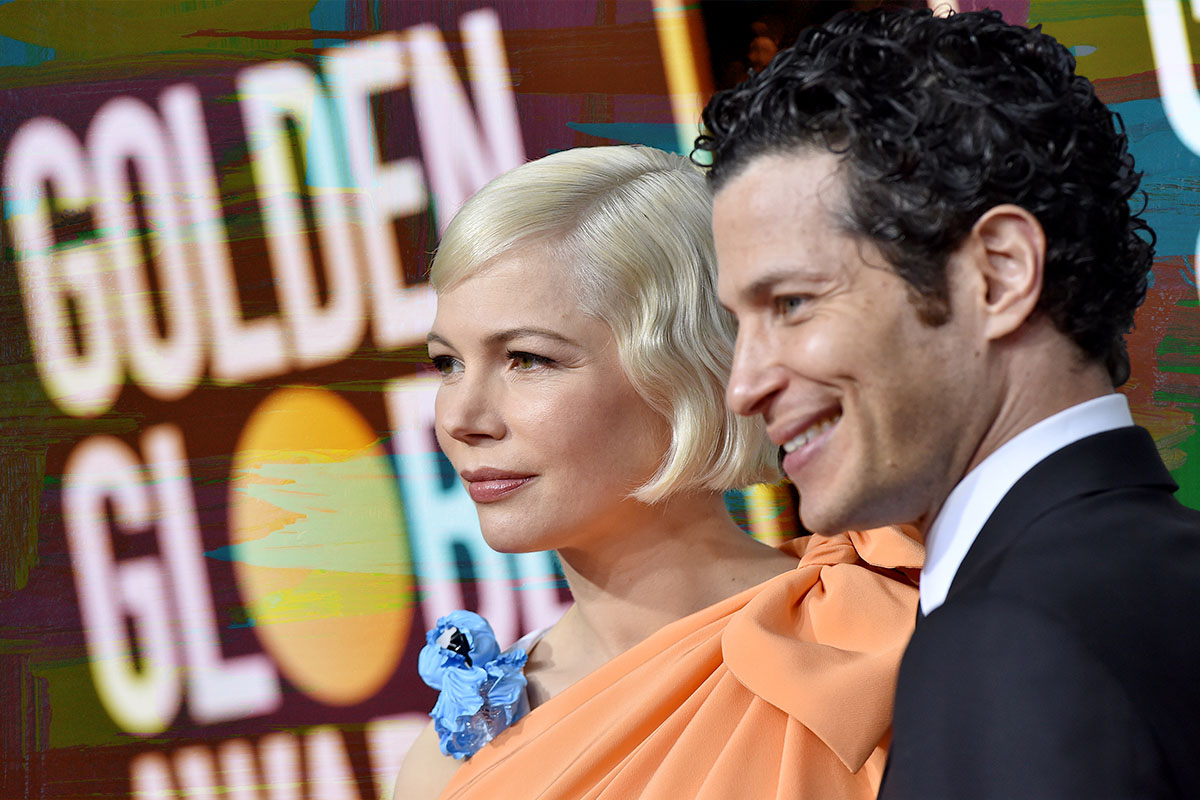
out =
column 976, row 496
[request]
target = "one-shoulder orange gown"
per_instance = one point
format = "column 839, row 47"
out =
column 782, row 691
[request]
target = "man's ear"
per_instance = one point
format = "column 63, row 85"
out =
column 1012, row 246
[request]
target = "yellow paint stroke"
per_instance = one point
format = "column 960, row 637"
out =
column 1122, row 43
column 686, row 66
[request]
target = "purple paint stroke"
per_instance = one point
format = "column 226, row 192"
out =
column 1016, row 12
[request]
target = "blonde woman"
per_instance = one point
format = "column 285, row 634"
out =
column 583, row 357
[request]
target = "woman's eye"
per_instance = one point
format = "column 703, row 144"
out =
column 528, row 361
column 445, row 365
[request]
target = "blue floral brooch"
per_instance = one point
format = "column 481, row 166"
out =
column 482, row 689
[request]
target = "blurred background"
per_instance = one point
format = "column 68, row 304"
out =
column 224, row 522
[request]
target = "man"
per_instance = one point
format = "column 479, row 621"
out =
column 924, row 229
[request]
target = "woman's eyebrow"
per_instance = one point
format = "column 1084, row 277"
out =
column 508, row 334
column 501, row 337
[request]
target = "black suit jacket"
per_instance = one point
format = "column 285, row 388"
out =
column 1065, row 662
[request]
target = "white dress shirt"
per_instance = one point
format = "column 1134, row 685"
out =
column 976, row 496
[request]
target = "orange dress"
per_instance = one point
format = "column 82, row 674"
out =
column 781, row 691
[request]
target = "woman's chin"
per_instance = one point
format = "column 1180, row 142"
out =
column 513, row 542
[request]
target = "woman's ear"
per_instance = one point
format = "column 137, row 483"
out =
column 1011, row 248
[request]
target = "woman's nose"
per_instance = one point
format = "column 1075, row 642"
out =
column 468, row 409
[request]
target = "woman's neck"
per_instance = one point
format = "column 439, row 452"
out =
column 658, row 564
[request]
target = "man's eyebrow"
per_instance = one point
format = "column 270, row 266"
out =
column 763, row 285
column 508, row 334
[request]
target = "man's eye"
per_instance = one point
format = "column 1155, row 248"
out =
column 788, row 304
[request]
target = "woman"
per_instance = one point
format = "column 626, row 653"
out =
column 583, row 357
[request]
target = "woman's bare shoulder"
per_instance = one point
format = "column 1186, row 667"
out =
column 425, row 771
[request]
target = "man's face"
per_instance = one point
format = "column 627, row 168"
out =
column 879, row 413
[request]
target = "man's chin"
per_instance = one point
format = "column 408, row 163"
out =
column 821, row 521
column 829, row 519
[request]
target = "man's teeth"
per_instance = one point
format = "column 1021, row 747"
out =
column 813, row 432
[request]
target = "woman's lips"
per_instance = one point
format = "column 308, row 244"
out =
column 489, row 485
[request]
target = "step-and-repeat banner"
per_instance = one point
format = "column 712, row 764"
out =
column 224, row 521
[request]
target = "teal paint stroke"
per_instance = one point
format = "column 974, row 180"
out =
column 1171, row 176
column 350, row 519
column 651, row 134
column 339, row 15
column 1189, row 273
column 15, row 53
column 328, row 15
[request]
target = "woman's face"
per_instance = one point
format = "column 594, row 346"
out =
column 535, row 411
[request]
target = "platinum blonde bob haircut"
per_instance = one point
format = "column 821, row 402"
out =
column 632, row 225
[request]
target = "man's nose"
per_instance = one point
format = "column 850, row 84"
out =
column 755, row 375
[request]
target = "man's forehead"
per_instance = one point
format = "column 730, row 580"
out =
column 775, row 218
column 799, row 171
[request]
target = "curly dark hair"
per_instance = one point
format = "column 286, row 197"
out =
column 938, row 120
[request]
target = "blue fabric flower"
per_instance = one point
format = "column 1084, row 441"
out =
column 505, row 679
column 481, row 688
column 481, row 645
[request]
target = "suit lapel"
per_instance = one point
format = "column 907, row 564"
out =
column 1114, row 459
